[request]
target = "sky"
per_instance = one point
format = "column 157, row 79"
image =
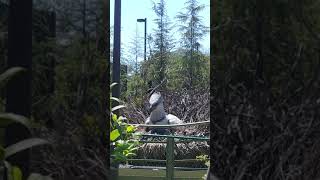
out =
column 131, row 10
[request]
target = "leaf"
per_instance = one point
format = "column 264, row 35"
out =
column 22, row 145
column 113, row 84
column 115, row 99
column 114, row 134
column 122, row 118
column 16, row 173
column 117, row 107
column 114, row 117
column 8, row 74
column 130, row 129
column 9, row 169
column 36, row 176
column 8, row 118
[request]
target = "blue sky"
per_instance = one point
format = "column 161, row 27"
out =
column 131, row 10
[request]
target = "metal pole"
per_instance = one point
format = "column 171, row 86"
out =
column 170, row 158
column 116, row 49
column 145, row 38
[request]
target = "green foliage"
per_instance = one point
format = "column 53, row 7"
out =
column 136, row 89
column 192, row 30
column 123, row 136
column 176, row 74
column 204, row 158
column 14, row 172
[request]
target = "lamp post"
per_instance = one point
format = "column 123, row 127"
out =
column 116, row 51
column 145, row 36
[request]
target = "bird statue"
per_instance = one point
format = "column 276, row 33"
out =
column 158, row 116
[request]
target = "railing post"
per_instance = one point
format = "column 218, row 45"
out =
column 170, row 158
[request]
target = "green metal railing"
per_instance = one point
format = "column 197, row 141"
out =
column 170, row 146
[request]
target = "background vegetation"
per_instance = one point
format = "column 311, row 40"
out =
column 265, row 84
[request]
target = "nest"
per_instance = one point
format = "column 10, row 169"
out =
column 189, row 106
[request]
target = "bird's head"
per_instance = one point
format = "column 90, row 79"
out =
column 154, row 101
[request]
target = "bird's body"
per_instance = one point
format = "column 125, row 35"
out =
column 158, row 116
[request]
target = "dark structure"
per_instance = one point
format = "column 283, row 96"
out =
column 19, row 88
column 116, row 50
column 43, row 30
column 21, row 25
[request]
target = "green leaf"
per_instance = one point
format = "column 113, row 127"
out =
column 22, row 145
column 130, row 154
column 117, row 107
column 114, row 134
column 36, row 176
column 8, row 118
column 16, row 173
column 114, row 117
column 8, row 74
column 131, row 129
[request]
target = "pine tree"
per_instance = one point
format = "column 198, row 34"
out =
column 162, row 41
column 192, row 30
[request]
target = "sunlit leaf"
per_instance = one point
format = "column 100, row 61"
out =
column 130, row 129
column 112, row 85
column 117, row 107
column 115, row 99
column 114, row 134
column 114, row 117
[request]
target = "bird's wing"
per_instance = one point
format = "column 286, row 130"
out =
column 173, row 119
column 148, row 121
column 163, row 122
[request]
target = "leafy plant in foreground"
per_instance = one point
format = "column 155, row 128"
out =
column 123, row 136
column 7, row 171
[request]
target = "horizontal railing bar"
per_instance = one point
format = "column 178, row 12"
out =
column 186, row 168
column 187, row 160
column 147, row 160
column 164, row 142
column 179, row 137
column 146, row 142
column 170, row 125
column 163, row 168
column 159, row 160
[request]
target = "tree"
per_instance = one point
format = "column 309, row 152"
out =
column 162, row 42
column 192, row 30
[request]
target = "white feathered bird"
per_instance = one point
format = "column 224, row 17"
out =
column 158, row 116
